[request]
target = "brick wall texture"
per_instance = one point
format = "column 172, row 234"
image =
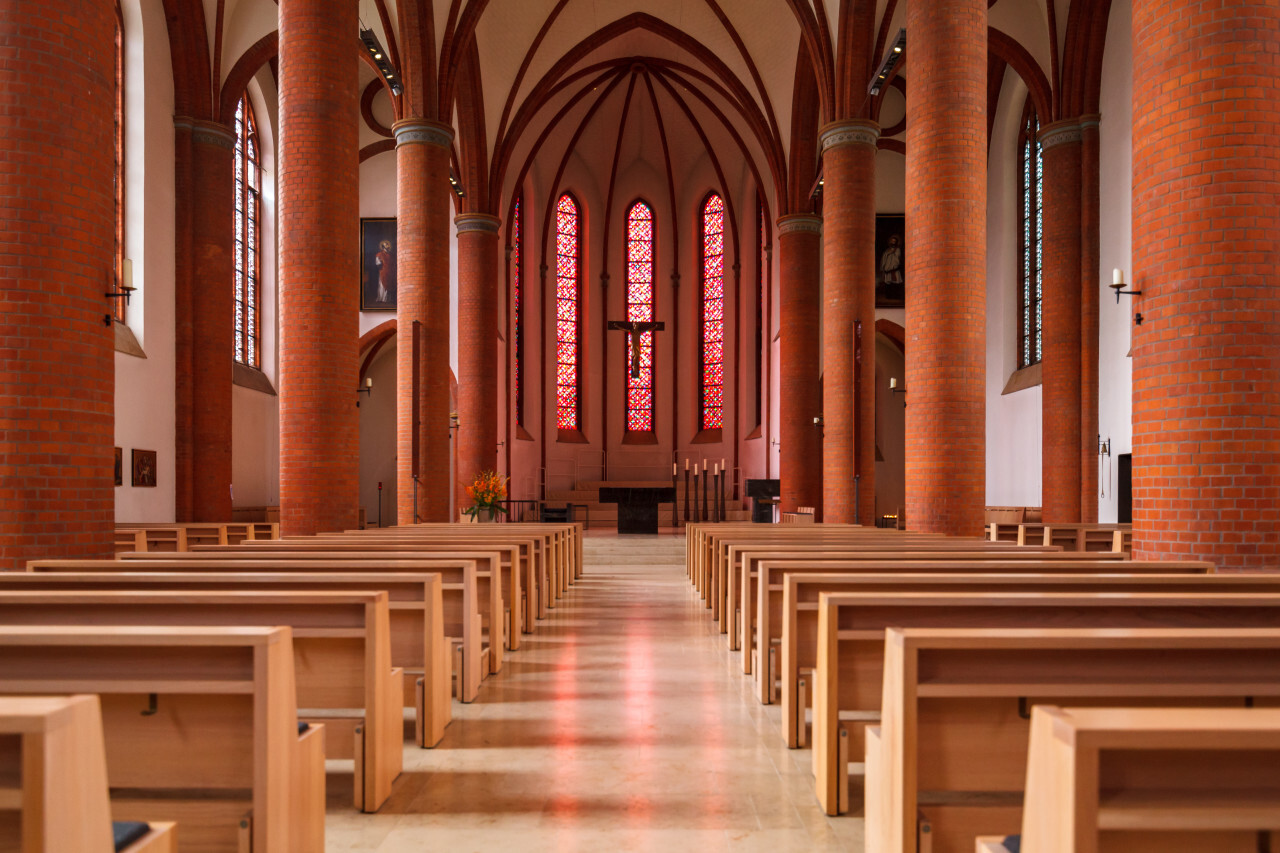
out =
column 1206, row 359
column 800, row 453
column 477, row 349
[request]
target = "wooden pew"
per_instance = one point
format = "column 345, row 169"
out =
column 469, row 598
column 799, row 593
column 219, row 751
column 492, row 563
column 1142, row 780
column 417, row 621
column 955, row 703
column 341, row 653
column 202, row 533
column 742, row 604
column 851, row 626
column 53, row 781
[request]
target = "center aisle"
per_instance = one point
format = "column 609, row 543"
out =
column 624, row 723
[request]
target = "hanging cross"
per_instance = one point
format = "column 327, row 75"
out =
column 635, row 331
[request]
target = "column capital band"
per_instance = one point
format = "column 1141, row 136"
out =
column 851, row 132
column 206, row 132
column 417, row 131
column 477, row 222
column 1064, row 132
column 805, row 223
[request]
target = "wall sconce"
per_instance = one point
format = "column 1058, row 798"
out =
column 367, row 389
column 1117, row 284
column 123, row 287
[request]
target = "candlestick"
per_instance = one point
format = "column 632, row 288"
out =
column 686, row 491
column 705, row 495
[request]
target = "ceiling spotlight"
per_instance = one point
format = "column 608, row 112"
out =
column 891, row 60
column 370, row 40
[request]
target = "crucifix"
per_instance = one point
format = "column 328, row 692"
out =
column 636, row 330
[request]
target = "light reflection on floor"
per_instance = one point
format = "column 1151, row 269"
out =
column 623, row 723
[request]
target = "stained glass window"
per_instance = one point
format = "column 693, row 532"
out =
column 119, row 306
column 1030, row 234
column 640, row 309
column 517, row 312
column 568, row 312
column 711, row 315
column 248, row 186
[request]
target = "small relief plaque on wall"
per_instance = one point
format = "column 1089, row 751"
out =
column 144, row 468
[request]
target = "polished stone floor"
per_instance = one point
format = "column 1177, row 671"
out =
column 623, row 723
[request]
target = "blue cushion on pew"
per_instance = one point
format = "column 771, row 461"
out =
column 125, row 832
column 302, row 727
column 1013, row 843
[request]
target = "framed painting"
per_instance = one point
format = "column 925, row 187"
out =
column 144, row 468
column 119, row 466
column 891, row 261
column 378, row 264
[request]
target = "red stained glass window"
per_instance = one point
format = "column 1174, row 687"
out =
column 568, row 312
column 248, row 177
column 640, row 309
column 711, row 338
column 517, row 312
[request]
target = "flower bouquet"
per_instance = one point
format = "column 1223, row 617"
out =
column 486, row 493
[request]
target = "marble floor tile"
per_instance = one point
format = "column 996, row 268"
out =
column 623, row 723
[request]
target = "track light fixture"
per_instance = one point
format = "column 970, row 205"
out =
column 370, row 40
column 891, row 60
column 457, row 187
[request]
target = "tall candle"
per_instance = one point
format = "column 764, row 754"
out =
column 126, row 274
column 715, row 469
column 686, row 464
column 893, row 382
column 1117, row 276
column 673, row 469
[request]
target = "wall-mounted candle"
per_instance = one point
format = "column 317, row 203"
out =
column 368, row 382
column 1117, row 276
column 893, row 382
column 126, row 274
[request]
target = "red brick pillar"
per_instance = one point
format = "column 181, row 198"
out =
column 1060, row 401
column 477, row 348
column 319, row 265
column 800, row 454
column 848, row 273
column 1206, row 359
column 205, row 311
column 946, row 266
column 57, row 218
column 1090, row 258
column 422, row 319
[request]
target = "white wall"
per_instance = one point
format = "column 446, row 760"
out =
column 1115, row 368
column 145, row 386
column 255, row 415
column 1013, row 420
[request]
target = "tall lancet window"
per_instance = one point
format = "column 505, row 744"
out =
column 568, row 313
column 248, row 186
column 640, row 309
column 517, row 312
column 711, row 313
column 1030, row 233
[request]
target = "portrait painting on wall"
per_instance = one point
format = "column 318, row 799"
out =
column 144, row 468
column 891, row 261
column 378, row 264
column 119, row 466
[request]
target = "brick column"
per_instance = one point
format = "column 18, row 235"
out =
column 800, row 454
column 1060, row 401
column 422, row 318
column 206, row 325
column 1206, row 384
column 946, row 266
column 57, row 218
column 848, row 294
column 477, row 348
column 319, row 264
column 1090, row 258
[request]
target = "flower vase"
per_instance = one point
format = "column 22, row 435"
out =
column 484, row 515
